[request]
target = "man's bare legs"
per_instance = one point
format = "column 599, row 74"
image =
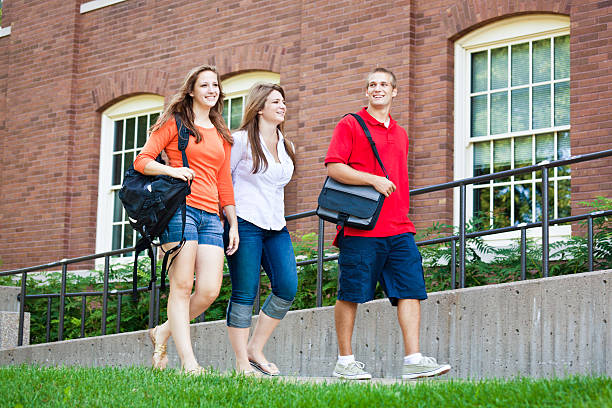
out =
column 409, row 318
column 344, row 315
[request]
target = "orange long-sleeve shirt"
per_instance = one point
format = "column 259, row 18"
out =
column 210, row 159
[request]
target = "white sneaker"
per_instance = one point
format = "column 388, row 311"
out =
column 351, row 371
column 427, row 367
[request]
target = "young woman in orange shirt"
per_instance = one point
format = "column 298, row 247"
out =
column 199, row 104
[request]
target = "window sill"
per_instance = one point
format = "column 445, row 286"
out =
column 97, row 4
column 5, row 31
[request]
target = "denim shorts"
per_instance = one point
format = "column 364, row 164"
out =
column 201, row 226
column 393, row 261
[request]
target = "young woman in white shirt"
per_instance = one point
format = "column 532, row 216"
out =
column 262, row 163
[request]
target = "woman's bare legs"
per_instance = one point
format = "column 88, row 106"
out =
column 182, row 304
column 239, row 338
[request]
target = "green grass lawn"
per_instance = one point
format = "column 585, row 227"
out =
column 27, row 386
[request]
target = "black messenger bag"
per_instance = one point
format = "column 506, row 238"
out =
column 351, row 205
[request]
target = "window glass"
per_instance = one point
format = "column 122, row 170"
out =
column 520, row 64
column 520, row 109
column 236, row 108
column 482, row 158
column 562, row 58
column 479, row 115
column 541, row 60
column 541, row 106
column 480, row 71
column 499, row 113
column 562, row 109
column 499, row 68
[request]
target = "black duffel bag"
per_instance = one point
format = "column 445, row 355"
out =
column 351, row 205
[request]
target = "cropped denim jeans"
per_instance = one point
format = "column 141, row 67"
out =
column 272, row 250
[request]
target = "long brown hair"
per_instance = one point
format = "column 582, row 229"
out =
column 182, row 104
column 256, row 100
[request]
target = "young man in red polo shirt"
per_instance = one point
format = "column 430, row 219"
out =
column 387, row 253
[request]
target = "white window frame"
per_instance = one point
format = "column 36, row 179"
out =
column 97, row 4
column 511, row 30
column 136, row 105
column 239, row 85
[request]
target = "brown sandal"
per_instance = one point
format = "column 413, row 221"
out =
column 160, row 355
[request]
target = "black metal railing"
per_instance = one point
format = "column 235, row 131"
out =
column 320, row 259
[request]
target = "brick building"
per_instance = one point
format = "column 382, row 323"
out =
column 483, row 86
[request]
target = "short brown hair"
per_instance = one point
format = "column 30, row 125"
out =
column 386, row 71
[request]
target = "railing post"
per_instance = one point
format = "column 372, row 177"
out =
column 590, row 242
column 153, row 289
column 257, row 297
column 48, row 323
column 523, row 253
column 320, row 255
column 118, row 325
column 545, row 222
column 105, row 293
column 83, row 305
column 156, row 312
column 453, row 263
column 22, row 298
column 62, row 304
column 462, row 236
column 152, row 302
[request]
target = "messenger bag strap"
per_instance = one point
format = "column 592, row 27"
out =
column 369, row 136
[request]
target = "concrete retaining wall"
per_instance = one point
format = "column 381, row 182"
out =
column 536, row 328
column 8, row 298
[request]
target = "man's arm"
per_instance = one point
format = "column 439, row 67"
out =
column 346, row 174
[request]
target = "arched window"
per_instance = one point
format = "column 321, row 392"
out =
column 512, row 110
column 123, row 134
column 236, row 89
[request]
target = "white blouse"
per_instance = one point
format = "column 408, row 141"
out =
column 260, row 197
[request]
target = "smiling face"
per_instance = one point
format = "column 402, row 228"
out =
column 380, row 90
column 274, row 109
column 205, row 92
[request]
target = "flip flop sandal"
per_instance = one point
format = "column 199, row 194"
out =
column 264, row 368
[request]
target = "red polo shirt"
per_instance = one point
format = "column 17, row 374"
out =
column 349, row 145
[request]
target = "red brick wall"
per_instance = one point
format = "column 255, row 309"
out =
column 60, row 69
column 590, row 99
column 38, row 132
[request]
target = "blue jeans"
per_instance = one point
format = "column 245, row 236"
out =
column 272, row 250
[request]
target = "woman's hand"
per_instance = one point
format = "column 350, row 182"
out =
column 182, row 173
column 234, row 239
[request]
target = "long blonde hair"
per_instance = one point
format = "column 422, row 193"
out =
column 182, row 104
column 255, row 102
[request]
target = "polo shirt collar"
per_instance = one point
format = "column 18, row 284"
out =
column 373, row 121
